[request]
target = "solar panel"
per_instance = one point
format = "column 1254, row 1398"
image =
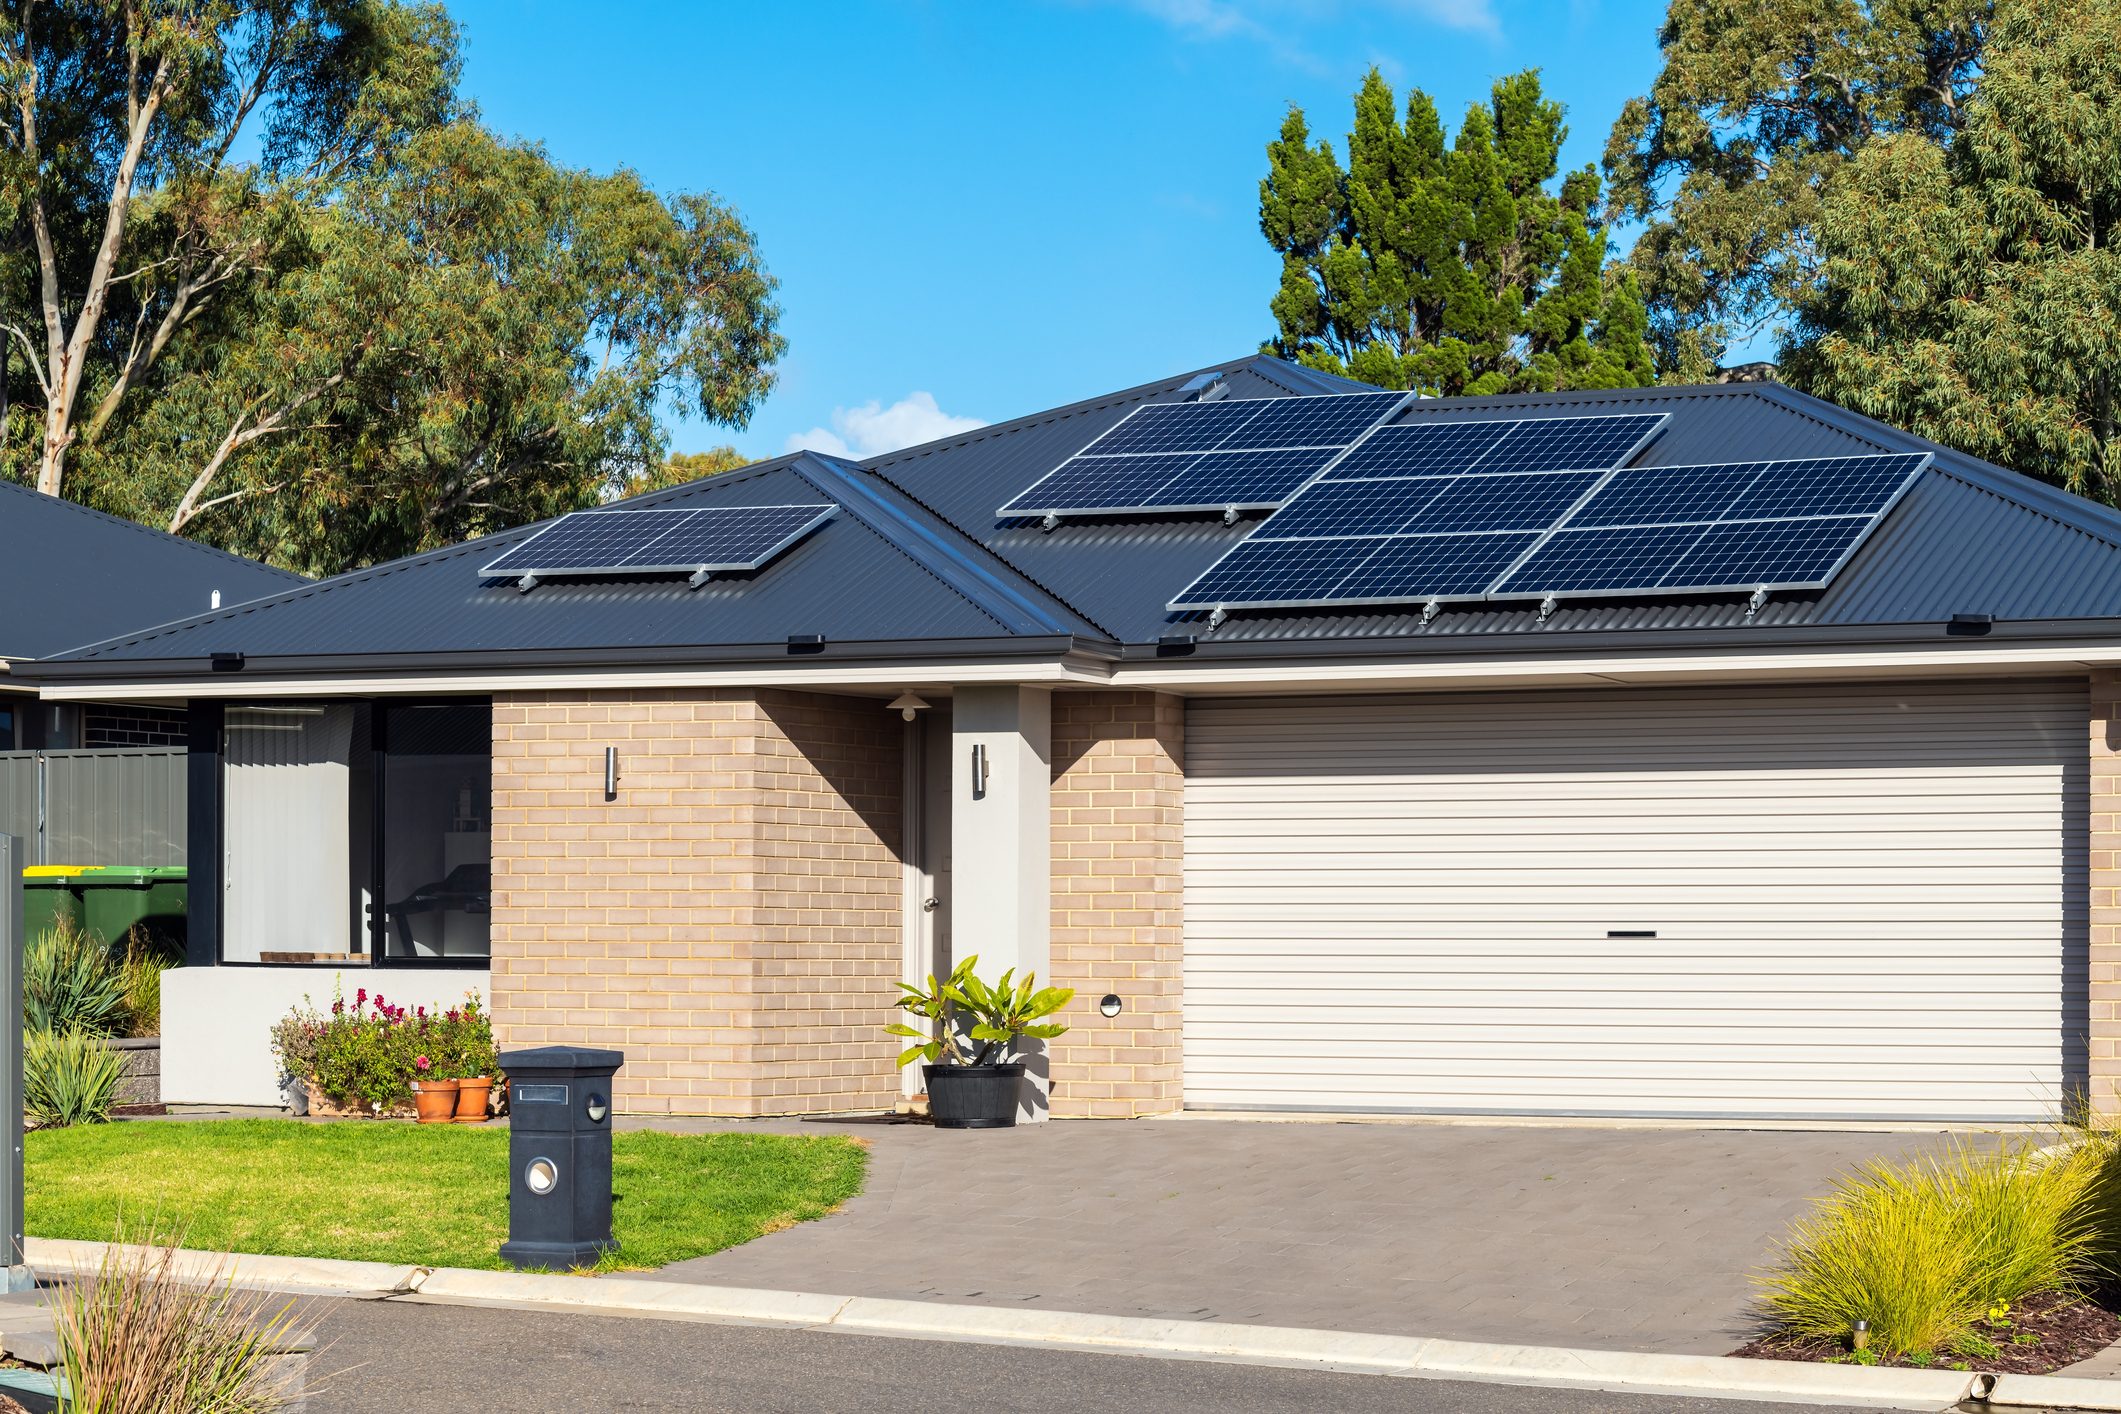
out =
column 668, row 541
column 1452, row 448
column 1493, row 531
column 1236, row 454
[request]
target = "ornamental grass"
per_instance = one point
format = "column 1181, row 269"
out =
column 1923, row 1248
column 134, row 1338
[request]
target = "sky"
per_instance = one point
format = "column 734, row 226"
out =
column 980, row 210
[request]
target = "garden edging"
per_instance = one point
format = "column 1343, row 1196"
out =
column 1406, row 1356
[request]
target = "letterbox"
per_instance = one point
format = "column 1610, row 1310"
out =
column 559, row 1156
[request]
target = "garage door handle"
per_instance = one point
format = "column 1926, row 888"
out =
column 1631, row 932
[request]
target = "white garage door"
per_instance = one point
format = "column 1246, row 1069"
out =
column 1853, row 901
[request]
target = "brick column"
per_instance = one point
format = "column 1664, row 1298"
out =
column 2105, row 852
column 730, row 921
column 1118, row 807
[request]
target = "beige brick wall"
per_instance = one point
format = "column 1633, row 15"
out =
column 1118, row 854
column 2105, row 853
column 731, row 920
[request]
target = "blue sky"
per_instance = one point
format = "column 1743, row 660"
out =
column 980, row 210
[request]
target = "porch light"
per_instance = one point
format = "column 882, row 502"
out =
column 611, row 773
column 909, row 705
column 1109, row 1004
column 541, row 1176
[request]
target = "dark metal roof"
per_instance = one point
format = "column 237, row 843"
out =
column 882, row 570
column 1968, row 538
column 70, row 575
column 917, row 565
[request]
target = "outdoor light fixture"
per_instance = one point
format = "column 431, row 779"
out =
column 909, row 705
column 611, row 773
column 1860, row 1337
column 979, row 771
column 541, row 1176
column 596, row 1107
column 1109, row 1004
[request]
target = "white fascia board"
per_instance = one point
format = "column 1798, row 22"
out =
column 887, row 677
column 1662, row 668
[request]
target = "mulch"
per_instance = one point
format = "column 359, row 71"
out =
column 2068, row 1330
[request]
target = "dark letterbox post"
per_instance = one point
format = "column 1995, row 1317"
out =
column 559, row 1156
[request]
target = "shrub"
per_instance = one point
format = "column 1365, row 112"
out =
column 71, row 983
column 68, row 1077
column 140, row 980
column 1922, row 1249
column 366, row 1054
column 135, row 1339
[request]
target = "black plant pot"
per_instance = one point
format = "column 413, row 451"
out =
column 973, row 1096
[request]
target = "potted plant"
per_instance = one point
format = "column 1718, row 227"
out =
column 434, row 1097
column 970, row 1043
column 471, row 1058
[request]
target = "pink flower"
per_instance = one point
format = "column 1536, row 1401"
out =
column 423, row 1063
column 360, row 999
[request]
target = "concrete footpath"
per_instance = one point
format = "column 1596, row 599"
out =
column 1224, row 1343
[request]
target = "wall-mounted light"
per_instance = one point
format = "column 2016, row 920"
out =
column 596, row 1107
column 979, row 772
column 1109, row 1004
column 909, row 705
column 611, row 773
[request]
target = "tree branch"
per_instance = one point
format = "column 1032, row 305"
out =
column 239, row 437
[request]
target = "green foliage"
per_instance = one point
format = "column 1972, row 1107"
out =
column 1756, row 111
column 1925, row 1248
column 678, row 469
column 135, row 1338
column 366, row 1054
column 391, row 331
column 70, row 982
column 1452, row 269
column 68, row 1077
column 140, row 979
column 1973, row 295
column 435, row 1195
column 971, row 1022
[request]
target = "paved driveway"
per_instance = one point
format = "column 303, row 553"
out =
column 1600, row 1238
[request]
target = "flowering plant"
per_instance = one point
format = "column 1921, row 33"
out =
column 365, row 1054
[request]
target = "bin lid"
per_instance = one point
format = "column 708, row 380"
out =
column 110, row 874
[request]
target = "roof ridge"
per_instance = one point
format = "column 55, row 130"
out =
column 972, row 582
column 201, row 546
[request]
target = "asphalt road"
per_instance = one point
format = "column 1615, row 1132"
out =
column 405, row 1358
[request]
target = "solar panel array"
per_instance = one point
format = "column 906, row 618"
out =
column 670, row 541
column 1444, row 512
column 1236, row 454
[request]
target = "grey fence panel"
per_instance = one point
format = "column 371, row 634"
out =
column 18, row 799
column 100, row 807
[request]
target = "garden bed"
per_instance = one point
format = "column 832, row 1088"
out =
column 430, row 1195
column 2042, row 1334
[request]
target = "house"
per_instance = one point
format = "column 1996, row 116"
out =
column 69, row 576
column 1776, row 792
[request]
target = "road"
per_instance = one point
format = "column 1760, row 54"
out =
column 403, row 1358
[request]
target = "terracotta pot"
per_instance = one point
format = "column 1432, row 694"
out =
column 322, row 1106
column 436, row 1100
column 472, row 1091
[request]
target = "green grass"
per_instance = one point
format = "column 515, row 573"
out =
column 432, row 1195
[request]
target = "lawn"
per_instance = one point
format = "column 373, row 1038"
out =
column 432, row 1195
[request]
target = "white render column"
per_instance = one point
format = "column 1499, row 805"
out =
column 1001, row 844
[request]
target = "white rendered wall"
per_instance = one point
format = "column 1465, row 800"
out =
column 1001, row 845
column 217, row 1021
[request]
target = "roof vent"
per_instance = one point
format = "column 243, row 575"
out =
column 1205, row 387
column 1969, row 625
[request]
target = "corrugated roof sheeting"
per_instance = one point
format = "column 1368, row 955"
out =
column 70, row 575
column 1947, row 546
column 844, row 581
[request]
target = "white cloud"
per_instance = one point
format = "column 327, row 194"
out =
column 1283, row 25
column 873, row 429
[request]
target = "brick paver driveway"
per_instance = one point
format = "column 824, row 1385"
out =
column 1601, row 1238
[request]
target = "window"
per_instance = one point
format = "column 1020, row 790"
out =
column 437, row 842
column 356, row 832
